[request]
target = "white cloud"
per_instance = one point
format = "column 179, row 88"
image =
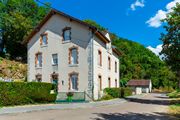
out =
column 156, row 50
column 155, row 21
column 172, row 4
column 136, row 4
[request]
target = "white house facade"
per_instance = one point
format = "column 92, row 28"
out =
column 73, row 54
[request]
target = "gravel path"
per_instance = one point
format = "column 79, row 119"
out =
column 116, row 111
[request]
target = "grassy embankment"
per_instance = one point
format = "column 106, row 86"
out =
column 175, row 109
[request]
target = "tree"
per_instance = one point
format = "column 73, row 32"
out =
column 17, row 19
column 93, row 23
column 171, row 40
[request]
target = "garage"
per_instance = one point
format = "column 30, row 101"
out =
column 140, row 86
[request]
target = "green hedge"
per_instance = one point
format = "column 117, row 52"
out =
column 19, row 93
column 126, row 92
column 114, row 92
column 118, row 92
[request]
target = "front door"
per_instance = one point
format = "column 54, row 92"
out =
column 55, row 81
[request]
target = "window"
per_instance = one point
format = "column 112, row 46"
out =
column 73, row 55
column 109, row 63
column 115, row 66
column 38, row 60
column 54, row 59
column 99, row 58
column 67, row 34
column 44, row 39
column 109, row 82
column 38, row 78
column 116, row 83
column 100, row 82
column 74, row 82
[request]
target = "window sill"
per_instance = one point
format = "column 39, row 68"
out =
column 43, row 46
column 99, row 66
column 54, row 64
column 66, row 41
column 73, row 65
column 38, row 68
column 72, row 90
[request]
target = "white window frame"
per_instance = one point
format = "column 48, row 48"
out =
column 55, row 58
column 74, row 82
column 67, row 34
column 74, row 56
column 39, row 60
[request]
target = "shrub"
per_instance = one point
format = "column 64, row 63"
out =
column 18, row 93
column 106, row 97
column 118, row 92
column 114, row 92
column 126, row 92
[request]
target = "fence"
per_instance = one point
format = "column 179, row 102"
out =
column 77, row 97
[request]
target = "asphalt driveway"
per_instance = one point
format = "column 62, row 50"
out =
column 155, row 109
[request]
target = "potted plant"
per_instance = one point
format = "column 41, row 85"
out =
column 69, row 96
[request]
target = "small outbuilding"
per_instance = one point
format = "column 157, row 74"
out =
column 140, row 86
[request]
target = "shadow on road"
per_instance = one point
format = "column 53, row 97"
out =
column 134, row 116
column 150, row 101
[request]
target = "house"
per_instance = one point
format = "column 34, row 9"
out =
column 72, row 54
column 140, row 86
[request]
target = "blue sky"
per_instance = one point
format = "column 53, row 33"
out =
column 126, row 18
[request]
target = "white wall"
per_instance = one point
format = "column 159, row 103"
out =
column 80, row 37
column 103, row 70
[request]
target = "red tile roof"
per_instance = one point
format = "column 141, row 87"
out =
column 138, row 83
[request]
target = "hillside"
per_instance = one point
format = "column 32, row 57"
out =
column 138, row 62
column 12, row 69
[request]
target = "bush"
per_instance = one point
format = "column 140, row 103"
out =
column 114, row 92
column 126, row 92
column 118, row 92
column 175, row 94
column 106, row 97
column 19, row 93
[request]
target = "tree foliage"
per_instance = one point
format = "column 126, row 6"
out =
column 138, row 62
column 93, row 23
column 17, row 19
column 171, row 40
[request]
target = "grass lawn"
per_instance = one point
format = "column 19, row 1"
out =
column 175, row 109
column 175, row 94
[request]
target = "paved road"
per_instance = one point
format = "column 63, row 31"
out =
column 137, row 110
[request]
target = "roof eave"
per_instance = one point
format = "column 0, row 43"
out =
column 115, row 50
column 52, row 12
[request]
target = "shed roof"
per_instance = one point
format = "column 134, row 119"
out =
column 139, row 82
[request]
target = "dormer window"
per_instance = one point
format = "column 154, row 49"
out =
column 44, row 39
column 67, row 34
